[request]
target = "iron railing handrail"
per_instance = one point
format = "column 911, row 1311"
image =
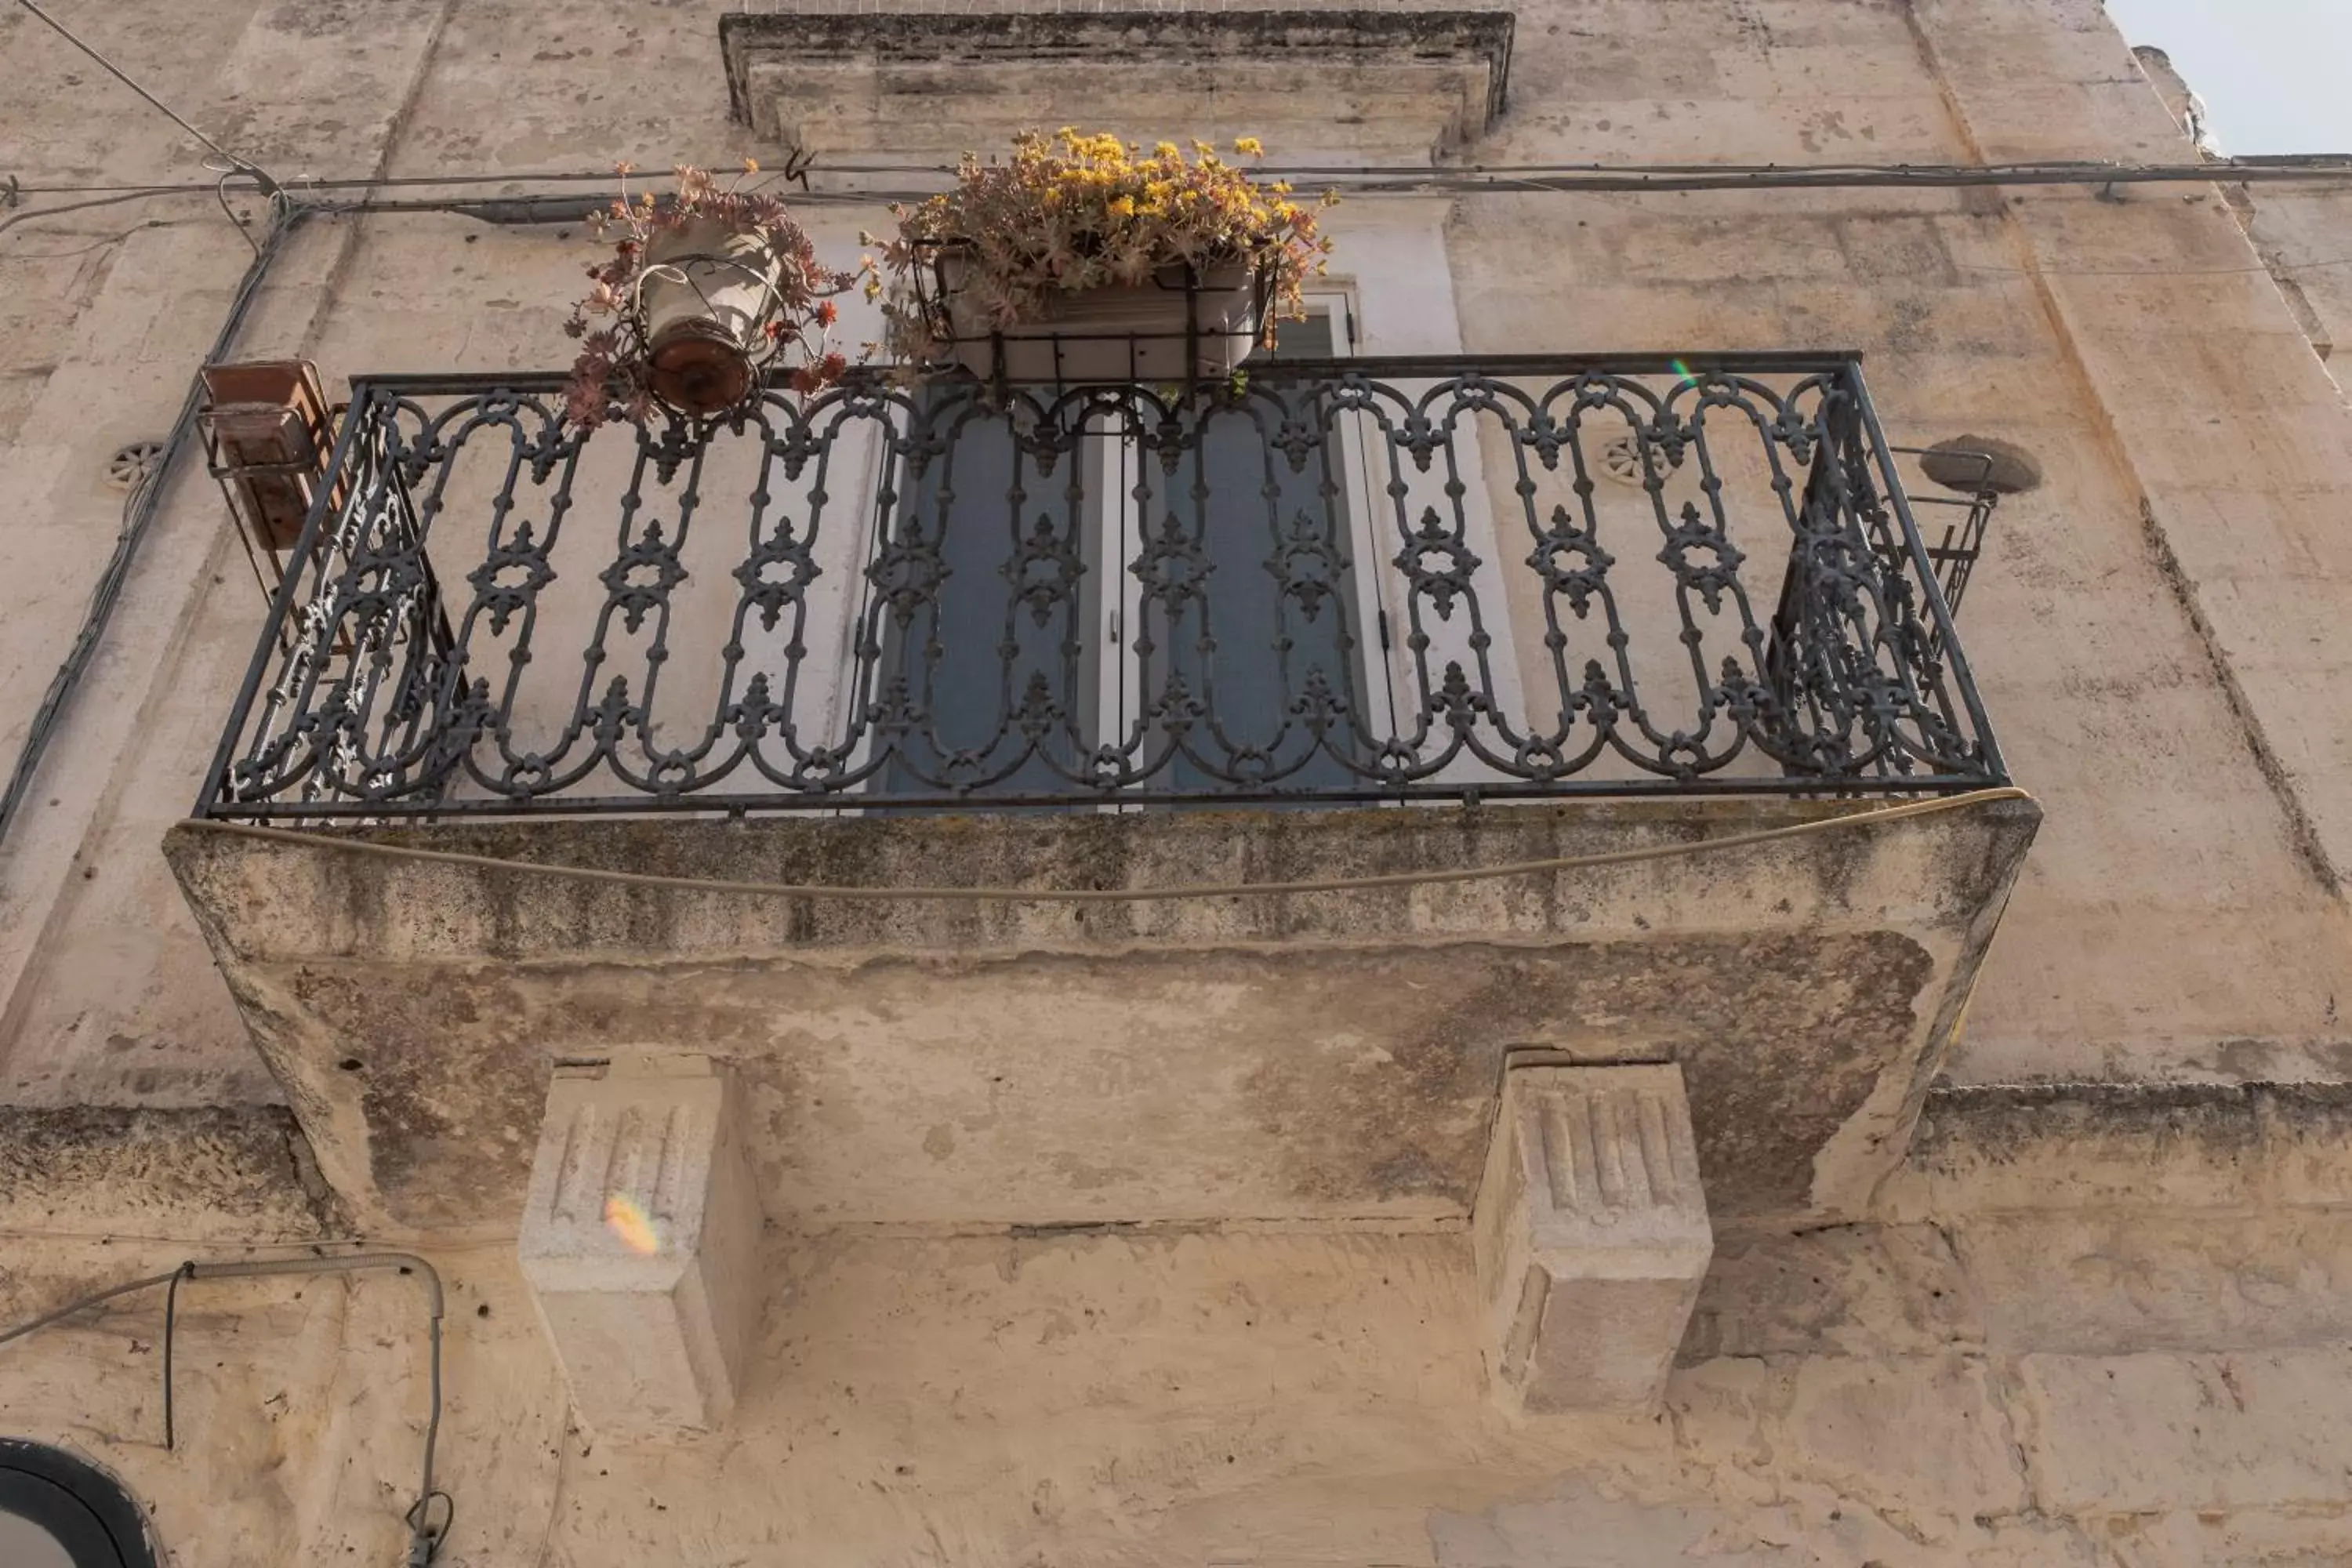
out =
column 1776, row 362
column 281, row 604
column 379, row 402
column 1948, row 640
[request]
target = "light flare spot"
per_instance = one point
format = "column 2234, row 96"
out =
column 629, row 1222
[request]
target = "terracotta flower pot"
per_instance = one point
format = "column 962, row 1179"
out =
column 1118, row 332
column 708, row 294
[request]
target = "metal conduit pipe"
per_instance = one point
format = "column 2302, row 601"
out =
column 424, row 1540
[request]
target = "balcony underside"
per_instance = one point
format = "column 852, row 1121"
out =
column 1311, row 1058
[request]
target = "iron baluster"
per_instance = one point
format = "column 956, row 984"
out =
column 1379, row 579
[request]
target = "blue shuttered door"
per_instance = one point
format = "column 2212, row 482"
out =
column 1232, row 662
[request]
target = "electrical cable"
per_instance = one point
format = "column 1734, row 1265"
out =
column 1532, row 179
column 242, row 166
column 1948, row 176
column 506, row 211
column 220, row 194
column 26, row 215
column 93, row 1299
column 2317, row 167
column 1115, row 895
column 309, row 1244
column 14, row 188
column 99, row 244
column 171, row 1322
column 425, row 1542
column 139, row 513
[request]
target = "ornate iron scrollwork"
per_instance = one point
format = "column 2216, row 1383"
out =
column 1353, row 580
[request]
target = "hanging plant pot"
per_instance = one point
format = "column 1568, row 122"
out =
column 704, row 294
column 1182, row 324
column 703, row 301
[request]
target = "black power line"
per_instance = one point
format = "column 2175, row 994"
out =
column 137, row 517
column 2317, row 168
column 236, row 165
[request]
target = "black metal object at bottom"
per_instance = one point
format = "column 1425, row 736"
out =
column 83, row 1511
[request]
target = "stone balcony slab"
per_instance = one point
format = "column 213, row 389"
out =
column 1326, row 1057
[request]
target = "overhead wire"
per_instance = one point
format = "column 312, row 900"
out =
column 220, row 194
column 99, row 244
column 235, row 166
column 29, row 214
column 1527, row 179
column 243, row 165
column 82, row 1304
column 547, row 210
column 139, row 512
column 2319, row 168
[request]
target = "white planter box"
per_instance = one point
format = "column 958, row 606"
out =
column 1120, row 333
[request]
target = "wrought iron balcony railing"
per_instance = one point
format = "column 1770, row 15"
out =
column 1348, row 579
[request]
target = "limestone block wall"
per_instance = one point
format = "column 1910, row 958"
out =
column 2303, row 233
column 2100, row 1384
column 2149, row 629
column 2097, row 1325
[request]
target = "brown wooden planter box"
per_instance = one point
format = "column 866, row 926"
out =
column 267, row 432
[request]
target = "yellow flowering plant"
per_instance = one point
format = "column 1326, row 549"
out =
column 1067, row 213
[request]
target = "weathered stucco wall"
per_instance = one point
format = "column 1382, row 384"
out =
column 2097, row 1325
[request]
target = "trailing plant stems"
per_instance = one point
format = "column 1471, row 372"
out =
column 424, row 1541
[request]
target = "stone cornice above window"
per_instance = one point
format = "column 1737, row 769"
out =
column 1316, row 85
